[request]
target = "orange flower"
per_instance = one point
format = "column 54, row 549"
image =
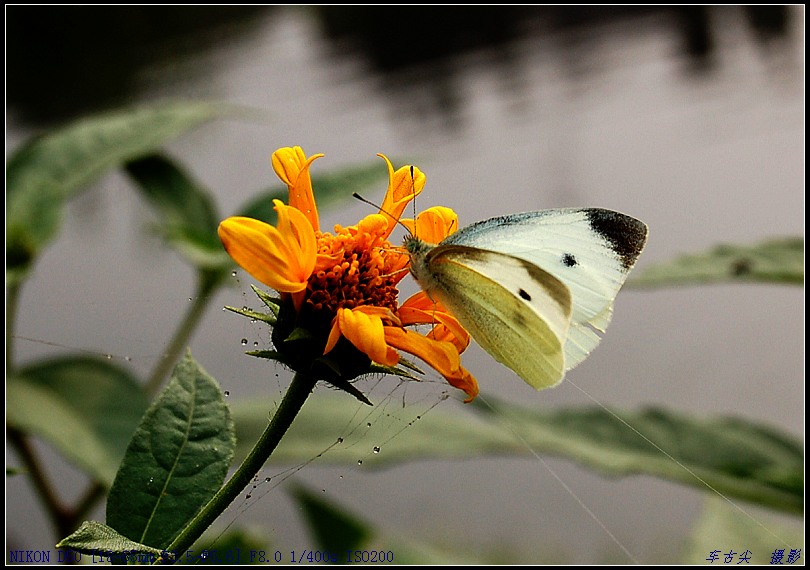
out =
column 338, row 316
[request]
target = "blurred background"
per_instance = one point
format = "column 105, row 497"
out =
column 689, row 118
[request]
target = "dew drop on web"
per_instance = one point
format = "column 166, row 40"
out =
column 359, row 461
column 376, row 449
column 227, row 393
column 244, row 342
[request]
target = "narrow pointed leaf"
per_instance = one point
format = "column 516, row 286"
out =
column 738, row 458
column 774, row 261
column 188, row 217
column 343, row 537
column 87, row 409
column 733, row 531
column 333, row 529
column 176, row 461
column 48, row 170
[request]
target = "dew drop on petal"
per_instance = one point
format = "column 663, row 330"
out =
column 233, row 273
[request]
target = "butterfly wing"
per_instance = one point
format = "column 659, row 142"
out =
column 517, row 312
column 590, row 250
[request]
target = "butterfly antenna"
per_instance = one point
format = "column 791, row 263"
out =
column 390, row 215
column 413, row 191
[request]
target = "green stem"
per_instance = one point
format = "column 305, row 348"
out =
column 206, row 283
column 59, row 515
column 298, row 392
column 94, row 493
column 12, row 297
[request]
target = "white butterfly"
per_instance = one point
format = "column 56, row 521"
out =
column 533, row 289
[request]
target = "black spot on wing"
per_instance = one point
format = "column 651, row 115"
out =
column 524, row 295
column 569, row 260
column 626, row 235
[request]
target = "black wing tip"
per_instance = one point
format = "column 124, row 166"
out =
column 625, row 234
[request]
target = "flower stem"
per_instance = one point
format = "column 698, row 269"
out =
column 299, row 390
column 207, row 282
column 12, row 297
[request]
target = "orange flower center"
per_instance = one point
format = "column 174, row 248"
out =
column 359, row 268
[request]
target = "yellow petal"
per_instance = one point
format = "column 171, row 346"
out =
column 402, row 188
column 420, row 309
column 442, row 356
column 465, row 381
column 434, row 224
column 281, row 258
column 292, row 166
column 365, row 331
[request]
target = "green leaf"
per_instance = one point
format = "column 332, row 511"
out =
column 726, row 528
column 774, row 261
column 189, row 218
column 86, row 408
column 333, row 529
column 737, row 458
column 327, row 188
column 176, row 461
column 46, row 171
column 98, row 539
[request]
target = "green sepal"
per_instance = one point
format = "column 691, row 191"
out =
column 273, row 303
column 299, row 333
column 251, row 314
